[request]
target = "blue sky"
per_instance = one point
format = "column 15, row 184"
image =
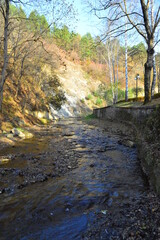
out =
column 90, row 23
column 87, row 21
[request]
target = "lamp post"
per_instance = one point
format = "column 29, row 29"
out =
column 136, row 78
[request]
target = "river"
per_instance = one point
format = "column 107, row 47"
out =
column 107, row 178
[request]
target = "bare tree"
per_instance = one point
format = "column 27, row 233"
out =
column 159, row 79
column 4, row 7
column 126, row 63
column 158, row 71
column 154, row 58
column 117, row 82
column 138, row 15
column 60, row 7
column 109, row 50
column 110, row 56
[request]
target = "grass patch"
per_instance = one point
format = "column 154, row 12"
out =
column 90, row 117
column 129, row 104
column 21, row 130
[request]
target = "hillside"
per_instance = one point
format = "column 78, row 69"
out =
column 50, row 72
column 61, row 91
column 77, row 87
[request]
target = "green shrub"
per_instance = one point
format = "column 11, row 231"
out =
column 121, row 94
column 95, row 93
column 99, row 101
column 134, row 90
column 89, row 117
column 157, row 95
column 82, row 100
column 108, row 96
column 89, row 97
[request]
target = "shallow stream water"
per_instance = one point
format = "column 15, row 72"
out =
column 107, row 177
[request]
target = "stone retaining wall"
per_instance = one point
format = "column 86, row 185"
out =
column 137, row 114
column 146, row 153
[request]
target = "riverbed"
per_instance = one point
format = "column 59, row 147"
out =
column 75, row 181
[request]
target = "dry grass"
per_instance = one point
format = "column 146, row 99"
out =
column 154, row 102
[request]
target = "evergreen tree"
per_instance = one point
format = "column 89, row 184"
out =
column 87, row 47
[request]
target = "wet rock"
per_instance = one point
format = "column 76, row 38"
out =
column 104, row 212
column 22, row 185
column 4, row 160
column 17, row 172
column 109, row 203
column 68, row 134
column 101, row 150
column 2, row 172
column 2, row 191
column 21, row 174
column 92, row 165
column 41, row 178
column 127, row 143
column 107, row 148
column 110, row 147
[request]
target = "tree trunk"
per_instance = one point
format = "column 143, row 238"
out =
column 117, row 74
column 110, row 74
column 154, row 58
column 5, row 51
column 126, row 65
column 109, row 52
column 114, row 76
column 154, row 76
column 20, row 77
column 159, row 80
column 147, row 75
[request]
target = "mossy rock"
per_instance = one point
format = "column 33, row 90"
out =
column 44, row 121
column 28, row 135
column 22, row 133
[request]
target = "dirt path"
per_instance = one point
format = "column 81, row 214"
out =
column 76, row 181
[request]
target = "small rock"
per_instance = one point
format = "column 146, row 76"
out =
column 127, row 143
column 69, row 167
column 2, row 191
column 17, row 133
column 9, row 135
column 104, row 212
column 28, row 135
column 4, row 160
column 22, row 185
column 68, row 134
column 109, row 203
column 92, row 165
column 101, row 150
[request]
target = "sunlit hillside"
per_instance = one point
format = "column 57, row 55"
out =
column 52, row 71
